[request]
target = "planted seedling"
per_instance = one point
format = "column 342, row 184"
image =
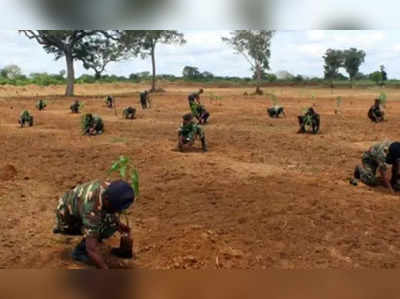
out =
column 382, row 99
column 338, row 103
column 124, row 168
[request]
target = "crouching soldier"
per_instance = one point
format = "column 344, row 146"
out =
column 75, row 107
column 41, row 105
column 374, row 160
column 129, row 113
column 309, row 119
column 188, row 132
column 145, row 100
column 92, row 210
column 109, row 101
column 276, row 111
column 92, row 125
column 25, row 117
column 198, row 110
column 376, row 113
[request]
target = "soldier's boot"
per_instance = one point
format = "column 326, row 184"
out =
column 80, row 253
column 204, row 144
column 301, row 130
column 357, row 173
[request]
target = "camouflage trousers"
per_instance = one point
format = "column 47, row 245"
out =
column 68, row 224
column 368, row 170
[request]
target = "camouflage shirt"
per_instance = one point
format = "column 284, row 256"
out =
column 276, row 108
column 190, row 130
column 85, row 203
column 378, row 153
column 25, row 115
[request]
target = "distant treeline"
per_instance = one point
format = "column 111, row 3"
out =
column 45, row 79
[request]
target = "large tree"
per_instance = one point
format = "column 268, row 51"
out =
column 191, row 72
column 255, row 46
column 145, row 42
column 353, row 58
column 100, row 52
column 71, row 44
column 334, row 60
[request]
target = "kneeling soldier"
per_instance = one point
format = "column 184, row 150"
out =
column 276, row 111
column 75, row 107
column 92, row 125
column 309, row 119
column 129, row 113
column 41, row 105
column 188, row 132
column 109, row 101
column 25, row 117
column 374, row 160
column 376, row 113
column 92, row 210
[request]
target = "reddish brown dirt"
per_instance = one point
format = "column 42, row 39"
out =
column 262, row 197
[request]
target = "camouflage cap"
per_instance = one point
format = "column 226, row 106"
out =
column 120, row 195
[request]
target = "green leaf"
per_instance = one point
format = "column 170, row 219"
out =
column 135, row 181
column 122, row 171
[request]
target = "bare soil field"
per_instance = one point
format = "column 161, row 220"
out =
column 262, row 197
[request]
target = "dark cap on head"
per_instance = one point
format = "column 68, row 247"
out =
column 188, row 117
column 120, row 195
column 201, row 90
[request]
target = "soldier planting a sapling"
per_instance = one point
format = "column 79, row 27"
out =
column 188, row 133
column 309, row 119
column 129, row 113
column 25, row 118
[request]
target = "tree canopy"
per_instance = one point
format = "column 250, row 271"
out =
column 73, row 45
column 255, row 46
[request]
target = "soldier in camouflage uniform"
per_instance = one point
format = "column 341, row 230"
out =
column 41, row 105
column 91, row 210
column 276, row 111
column 92, row 125
column 25, row 117
column 309, row 119
column 376, row 113
column 197, row 109
column 109, row 101
column 129, row 113
column 75, row 107
column 375, row 159
column 145, row 100
column 188, row 132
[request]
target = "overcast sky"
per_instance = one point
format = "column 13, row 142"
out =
column 299, row 52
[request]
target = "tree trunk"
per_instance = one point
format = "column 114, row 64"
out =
column 97, row 75
column 70, row 73
column 153, row 61
column 258, row 89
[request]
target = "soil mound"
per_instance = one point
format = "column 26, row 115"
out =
column 8, row 173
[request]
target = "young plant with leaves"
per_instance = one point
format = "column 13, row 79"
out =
column 382, row 99
column 213, row 97
column 338, row 103
column 124, row 167
column 274, row 99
